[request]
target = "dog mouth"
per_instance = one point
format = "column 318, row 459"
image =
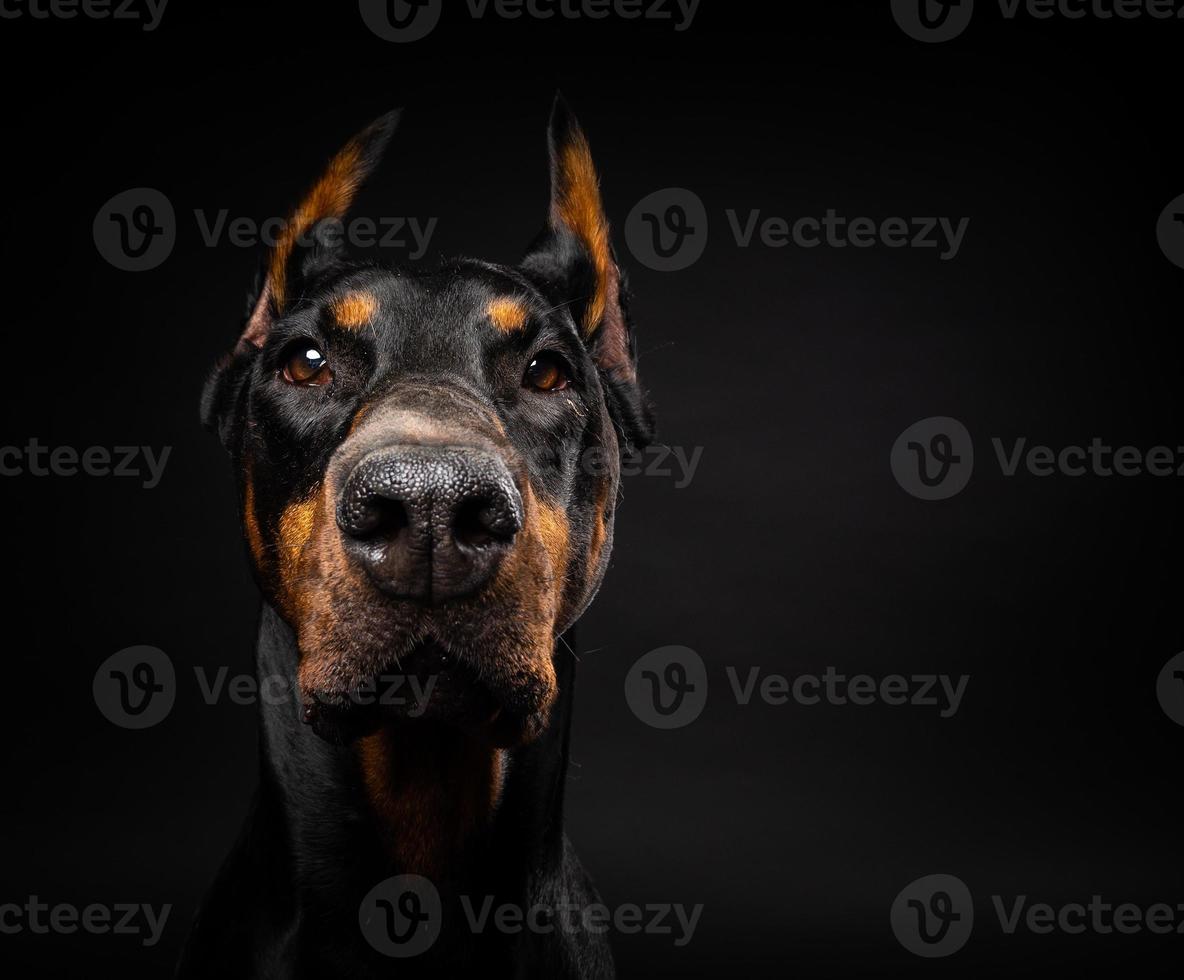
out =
column 426, row 684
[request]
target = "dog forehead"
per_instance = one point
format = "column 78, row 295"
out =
column 468, row 299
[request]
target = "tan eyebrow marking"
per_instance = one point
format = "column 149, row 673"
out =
column 507, row 314
column 355, row 309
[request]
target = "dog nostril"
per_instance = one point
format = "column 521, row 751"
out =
column 479, row 522
column 379, row 517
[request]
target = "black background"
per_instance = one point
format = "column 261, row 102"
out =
column 793, row 548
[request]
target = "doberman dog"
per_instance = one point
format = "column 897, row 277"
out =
column 428, row 467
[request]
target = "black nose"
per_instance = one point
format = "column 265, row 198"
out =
column 429, row 523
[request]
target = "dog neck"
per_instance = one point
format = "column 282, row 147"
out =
column 419, row 799
column 433, row 795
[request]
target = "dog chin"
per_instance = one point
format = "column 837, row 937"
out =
column 427, row 684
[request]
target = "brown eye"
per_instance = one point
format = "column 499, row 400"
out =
column 547, row 372
column 307, row 366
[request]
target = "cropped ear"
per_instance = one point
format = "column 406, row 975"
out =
column 312, row 237
column 574, row 261
column 574, row 253
column 311, row 240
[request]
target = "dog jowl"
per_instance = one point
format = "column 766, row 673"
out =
column 410, row 449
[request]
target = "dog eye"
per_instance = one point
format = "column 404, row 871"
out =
column 307, row 366
column 547, row 372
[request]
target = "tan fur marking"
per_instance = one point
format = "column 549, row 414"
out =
column 430, row 791
column 296, row 527
column 578, row 206
column 599, row 533
column 360, row 417
column 251, row 520
column 330, row 197
column 554, row 530
column 507, row 314
column 355, row 309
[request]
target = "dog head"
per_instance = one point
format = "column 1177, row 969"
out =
column 428, row 461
